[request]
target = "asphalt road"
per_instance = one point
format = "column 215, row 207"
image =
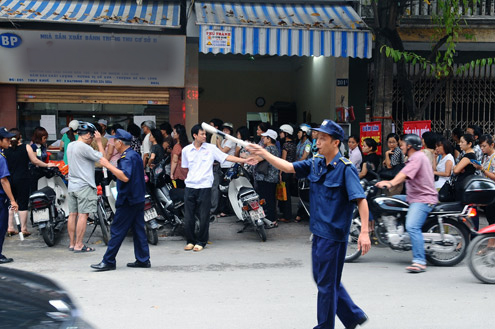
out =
column 239, row 282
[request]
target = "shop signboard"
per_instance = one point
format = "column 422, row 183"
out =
column 371, row 130
column 103, row 59
column 416, row 127
column 218, row 39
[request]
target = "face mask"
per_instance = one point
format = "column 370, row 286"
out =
column 173, row 134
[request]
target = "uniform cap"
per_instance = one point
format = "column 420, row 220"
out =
column 331, row 128
column 122, row 135
column 4, row 133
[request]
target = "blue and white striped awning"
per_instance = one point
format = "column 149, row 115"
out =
column 125, row 13
column 282, row 29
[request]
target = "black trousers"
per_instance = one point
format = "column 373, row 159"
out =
column 267, row 191
column 197, row 202
column 286, row 206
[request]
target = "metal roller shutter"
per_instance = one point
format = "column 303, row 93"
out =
column 92, row 95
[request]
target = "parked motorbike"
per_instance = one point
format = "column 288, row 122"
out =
column 169, row 201
column 104, row 214
column 244, row 200
column 49, row 205
column 446, row 230
column 150, row 213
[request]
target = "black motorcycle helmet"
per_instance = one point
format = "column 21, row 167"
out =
column 413, row 140
column 86, row 127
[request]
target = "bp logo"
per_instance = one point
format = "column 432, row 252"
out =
column 10, row 40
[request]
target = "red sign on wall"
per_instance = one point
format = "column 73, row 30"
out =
column 417, row 127
column 371, row 130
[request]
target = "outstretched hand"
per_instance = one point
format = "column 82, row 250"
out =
column 252, row 160
column 255, row 149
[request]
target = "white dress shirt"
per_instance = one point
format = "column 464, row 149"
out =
column 200, row 164
column 356, row 158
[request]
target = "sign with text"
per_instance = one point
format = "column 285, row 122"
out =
column 108, row 59
column 218, row 39
column 371, row 130
column 416, row 127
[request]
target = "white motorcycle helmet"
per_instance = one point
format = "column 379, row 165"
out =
column 305, row 128
column 287, row 129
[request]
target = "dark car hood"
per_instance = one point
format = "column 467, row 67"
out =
column 29, row 300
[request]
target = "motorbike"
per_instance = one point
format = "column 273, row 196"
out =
column 244, row 200
column 150, row 213
column 481, row 255
column 48, row 205
column 446, row 230
column 169, row 201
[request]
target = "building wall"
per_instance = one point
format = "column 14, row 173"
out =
column 314, row 88
column 229, row 86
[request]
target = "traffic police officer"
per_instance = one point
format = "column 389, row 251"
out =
column 5, row 191
column 334, row 191
column 130, row 205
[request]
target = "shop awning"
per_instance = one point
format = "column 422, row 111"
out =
column 282, row 29
column 123, row 14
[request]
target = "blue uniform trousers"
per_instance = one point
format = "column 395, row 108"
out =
column 4, row 221
column 126, row 217
column 333, row 299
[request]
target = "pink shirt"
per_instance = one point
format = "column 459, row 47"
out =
column 420, row 184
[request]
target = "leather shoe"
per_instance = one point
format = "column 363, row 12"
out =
column 360, row 322
column 5, row 260
column 137, row 263
column 103, row 267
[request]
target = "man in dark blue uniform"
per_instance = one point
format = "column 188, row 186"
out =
column 130, row 205
column 334, row 192
column 5, row 191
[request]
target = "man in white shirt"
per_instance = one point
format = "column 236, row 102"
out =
column 198, row 157
column 146, row 145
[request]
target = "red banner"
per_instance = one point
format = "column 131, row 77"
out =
column 417, row 127
column 371, row 130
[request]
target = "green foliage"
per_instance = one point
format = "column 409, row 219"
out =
column 448, row 23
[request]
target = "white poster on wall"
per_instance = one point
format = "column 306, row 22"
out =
column 138, row 119
column 108, row 59
column 49, row 123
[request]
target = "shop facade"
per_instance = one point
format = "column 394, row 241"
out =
column 113, row 60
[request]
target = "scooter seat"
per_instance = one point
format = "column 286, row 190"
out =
column 444, row 207
column 46, row 192
column 245, row 191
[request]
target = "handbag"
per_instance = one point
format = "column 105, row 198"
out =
column 262, row 167
column 447, row 192
column 281, row 192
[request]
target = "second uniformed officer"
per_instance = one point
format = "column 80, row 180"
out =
column 334, row 191
column 130, row 205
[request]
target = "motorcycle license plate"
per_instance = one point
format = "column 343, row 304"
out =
column 42, row 215
column 150, row 214
column 257, row 214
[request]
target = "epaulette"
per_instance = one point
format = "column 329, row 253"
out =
column 346, row 161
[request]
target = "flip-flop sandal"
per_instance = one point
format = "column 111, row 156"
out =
column 484, row 251
column 84, row 249
column 416, row 268
column 71, row 248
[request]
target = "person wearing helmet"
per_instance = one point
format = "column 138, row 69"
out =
column 304, row 145
column 421, row 195
column 82, row 188
column 289, row 154
column 68, row 137
column 334, row 192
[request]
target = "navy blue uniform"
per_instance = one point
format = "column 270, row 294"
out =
column 130, row 209
column 333, row 189
column 4, row 202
